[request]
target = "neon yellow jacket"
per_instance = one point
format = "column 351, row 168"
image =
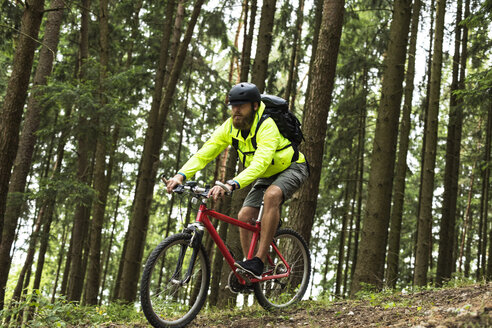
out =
column 269, row 158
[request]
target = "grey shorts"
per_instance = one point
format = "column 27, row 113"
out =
column 288, row 181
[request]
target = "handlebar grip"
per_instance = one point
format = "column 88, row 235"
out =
column 223, row 186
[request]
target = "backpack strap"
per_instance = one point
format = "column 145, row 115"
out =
column 235, row 143
column 253, row 139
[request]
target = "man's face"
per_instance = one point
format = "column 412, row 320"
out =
column 243, row 115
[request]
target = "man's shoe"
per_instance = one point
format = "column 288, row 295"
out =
column 254, row 266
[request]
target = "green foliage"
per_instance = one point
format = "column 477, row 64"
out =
column 68, row 314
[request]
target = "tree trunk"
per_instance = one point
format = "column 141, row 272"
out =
column 176, row 36
column 343, row 238
column 370, row 265
column 101, row 181
column 49, row 207
column 59, row 264
column 264, row 44
column 248, row 40
column 303, row 205
column 446, row 259
column 11, row 113
column 486, row 191
column 225, row 170
column 66, row 269
column 29, row 258
column 111, row 237
column 467, row 225
column 143, row 196
column 318, row 15
column 290, row 90
column 425, row 211
column 80, row 220
column 401, row 165
column 360, row 169
column 225, row 297
column 146, row 161
column 28, row 139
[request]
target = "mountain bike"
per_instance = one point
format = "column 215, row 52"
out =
column 176, row 277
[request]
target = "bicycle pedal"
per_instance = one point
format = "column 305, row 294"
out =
column 236, row 287
column 245, row 275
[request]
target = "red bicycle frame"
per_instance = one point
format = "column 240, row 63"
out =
column 203, row 218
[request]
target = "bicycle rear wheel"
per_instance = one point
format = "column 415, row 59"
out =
column 279, row 293
column 167, row 299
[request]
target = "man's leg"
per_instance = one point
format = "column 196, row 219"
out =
column 247, row 214
column 269, row 221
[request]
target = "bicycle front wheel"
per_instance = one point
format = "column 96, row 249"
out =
column 171, row 292
column 279, row 293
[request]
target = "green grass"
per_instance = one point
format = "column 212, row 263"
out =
column 67, row 314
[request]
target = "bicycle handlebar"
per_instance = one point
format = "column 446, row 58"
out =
column 223, row 186
column 192, row 187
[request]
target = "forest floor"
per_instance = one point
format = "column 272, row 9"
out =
column 468, row 306
column 463, row 306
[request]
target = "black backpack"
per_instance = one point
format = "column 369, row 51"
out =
column 287, row 123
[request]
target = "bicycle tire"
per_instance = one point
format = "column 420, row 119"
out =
column 279, row 293
column 166, row 302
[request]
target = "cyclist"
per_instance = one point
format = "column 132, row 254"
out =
column 274, row 163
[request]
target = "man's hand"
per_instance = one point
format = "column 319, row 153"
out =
column 173, row 182
column 218, row 192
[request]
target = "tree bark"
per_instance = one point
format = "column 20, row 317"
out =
column 59, row 264
column 303, row 205
column 26, row 268
column 264, row 44
column 146, row 161
column 101, row 180
column 175, row 39
column 49, row 207
column 486, row 192
column 143, row 196
column 15, row 201
column 290, row 91
column 370, row 265
column 343, row 237
column 423, row 251
column 401, row 165
column 248, row 40
column 445, row 258
column 80, row 220
column 15, row 96
column 11, row 114
column 360, row 168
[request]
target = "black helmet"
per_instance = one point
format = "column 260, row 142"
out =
column 243, row 93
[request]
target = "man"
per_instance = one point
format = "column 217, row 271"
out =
column 279, row 168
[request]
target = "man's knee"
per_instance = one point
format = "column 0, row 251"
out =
column 248, row 214
column 273, row 196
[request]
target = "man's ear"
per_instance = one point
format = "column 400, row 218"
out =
column 256, row 105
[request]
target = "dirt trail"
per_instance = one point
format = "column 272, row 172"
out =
column 469, row 306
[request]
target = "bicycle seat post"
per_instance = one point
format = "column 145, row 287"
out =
column 260, row 214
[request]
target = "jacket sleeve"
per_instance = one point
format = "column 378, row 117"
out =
column 267, row 139
column 219, row 140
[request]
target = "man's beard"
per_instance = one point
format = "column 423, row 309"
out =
column 244, row 122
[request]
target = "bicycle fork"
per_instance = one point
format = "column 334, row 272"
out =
column 196, row 230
